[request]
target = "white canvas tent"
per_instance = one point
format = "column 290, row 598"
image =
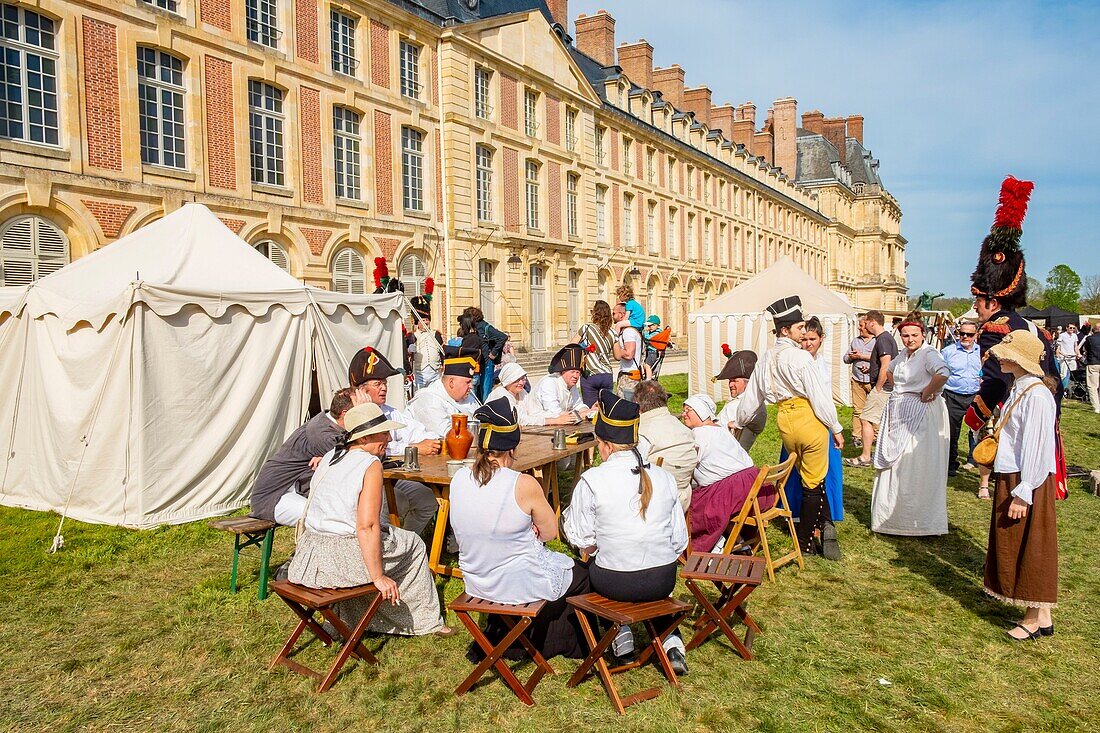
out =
column 147, row 382
column 739, row 318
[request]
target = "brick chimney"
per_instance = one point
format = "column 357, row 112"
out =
column 697, row 100
column 835, row 133
column 559, row 11
column 855, row 128
column 721, row 118
column 636, row 59
column 669, row 82
column 785, row 130
column 745, row 125
column 814, row 121
column 595, row 37
column 762, row 146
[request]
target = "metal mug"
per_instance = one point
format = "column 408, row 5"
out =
column 412, row 458
column 557, row 442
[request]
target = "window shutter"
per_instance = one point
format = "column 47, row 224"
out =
column 31, row 248
column 348, row 273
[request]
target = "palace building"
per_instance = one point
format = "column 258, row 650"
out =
column 472, row 141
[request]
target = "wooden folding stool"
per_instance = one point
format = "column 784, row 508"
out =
column 307, row 601
column 751, row 515
column 735, row 577
column 618, row 614
column 465, row 605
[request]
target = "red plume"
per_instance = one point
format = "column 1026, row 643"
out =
column 380, row 271
column 1013, row 204
column 726, row 351
column 429, row 286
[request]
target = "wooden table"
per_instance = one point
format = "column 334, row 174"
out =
column 533, row 453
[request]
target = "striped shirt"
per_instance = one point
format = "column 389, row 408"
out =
column 599, row 360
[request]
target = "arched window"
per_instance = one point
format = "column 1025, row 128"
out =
column 274, row 252
column 30, row 247
column 348, row 273
column 411, row 274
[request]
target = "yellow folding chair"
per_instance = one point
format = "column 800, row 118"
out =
column 751, row 515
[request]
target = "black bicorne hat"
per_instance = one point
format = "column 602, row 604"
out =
column 570, row 356
column 740, row 365
column 786, row 311
column 499, row 426
column 460, row 362
column 370, row 363
column 616, row 419
column 1001, row 272
column 422, row 306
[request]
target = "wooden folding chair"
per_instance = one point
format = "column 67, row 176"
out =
column 751, row 515
column 618, row 614
column 466, row 604
column 735, row 577
column 304, row 602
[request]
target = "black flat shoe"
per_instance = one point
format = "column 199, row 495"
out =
column 1047, row 630
column 677, row 661
column 1031, row 635
column 830, row 547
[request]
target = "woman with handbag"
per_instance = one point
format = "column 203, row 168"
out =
column 1021, row 564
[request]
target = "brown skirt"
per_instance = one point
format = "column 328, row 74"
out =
column 1021, row 565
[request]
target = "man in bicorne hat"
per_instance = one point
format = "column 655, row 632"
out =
column 788, row 376
column 451, row 394
column 738, row 369
column 558, row 393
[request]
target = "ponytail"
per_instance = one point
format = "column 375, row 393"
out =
column 645, row 485
column 485, row 465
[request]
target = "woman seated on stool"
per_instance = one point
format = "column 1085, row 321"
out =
column 348, row 540
column 626, row 515
column 502, row 521
column 723, row 477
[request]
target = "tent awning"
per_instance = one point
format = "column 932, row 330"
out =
column 783, row 277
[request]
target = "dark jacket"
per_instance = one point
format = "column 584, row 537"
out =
column 995, row 383
column 492, row 342
column 290, row 464
column 1090, row 347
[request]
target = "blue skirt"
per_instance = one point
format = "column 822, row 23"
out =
column 834, row 484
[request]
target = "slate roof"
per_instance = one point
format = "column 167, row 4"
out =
column 446, row 12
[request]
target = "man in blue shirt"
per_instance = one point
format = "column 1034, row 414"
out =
column 965, row 362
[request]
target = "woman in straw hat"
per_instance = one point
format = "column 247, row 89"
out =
column 347, row 540
column 1021, row 565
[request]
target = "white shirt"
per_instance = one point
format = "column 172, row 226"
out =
column 413, row 432
column 788, row 371
column 433, row 407
column 605, row 512
column 1026, row 444
column 913, row 372
column 1067, row 345
column 720, row 455
column 334, row 492
column 631, row 336
column 554, row 398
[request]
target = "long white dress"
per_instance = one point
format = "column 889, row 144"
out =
column 910, row 492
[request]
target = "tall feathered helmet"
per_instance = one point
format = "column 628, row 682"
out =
column 422, row 304
column 383, row 283
column 1001, row 271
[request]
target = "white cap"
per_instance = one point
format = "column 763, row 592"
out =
column 510, row 372
column 703, row 405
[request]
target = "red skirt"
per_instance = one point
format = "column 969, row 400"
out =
column 1021, row 565
column 714, row 506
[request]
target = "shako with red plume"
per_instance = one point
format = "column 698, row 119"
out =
column 1001, row 272
column 383, row 283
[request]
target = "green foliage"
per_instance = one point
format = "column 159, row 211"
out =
column 1090, row 295
column 1063, row 288
column 1036, row 294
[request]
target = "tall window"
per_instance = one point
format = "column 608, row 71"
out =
column 651, row 226
column 410, row 70
column 170, row 5
column 346, row 144
column 707, row 243
column 484, row 183
column 272, row 251
column 570, row 128
column 650, row 164
column 530, row 111
column 28, row 76
column 628, row 159
column 706, row 188
column 691, row 238
column 343, row 43
column 486, row 279
column 412, row 169
column 572, row 183
column 601, row 214
column 691, row 181
column 265, row 129
column 30, row 247
column 412, row 274
column 601, row 137
column 482, row 78
column 628, row 220
column 670, row 235
column 160, row 107
column 574, row 304
column 722, row 194
column 671, row 174
column 723, row 251
column 532, row 194
column 348, row 272
column 262, row 22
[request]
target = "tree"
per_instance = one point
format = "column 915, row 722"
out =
column 1090, row 295
column 1063, row 288
column 1036, row 294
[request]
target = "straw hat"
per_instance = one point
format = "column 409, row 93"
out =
column 368, row 419
column 1023, row 348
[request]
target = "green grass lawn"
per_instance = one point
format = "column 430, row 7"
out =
column 129, row 630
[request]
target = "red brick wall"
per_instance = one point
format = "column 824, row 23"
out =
column 614, row 135
column 218, row 13
column 383, row 163
column 639, row 160
column 389, row 246
column 429, row 52
column 616, row 212
column 316, row 238
column 513, row 214
column 312, row 166
column 234, row 225
column 110, row 216
column 683, row 175
column 553, row 200
column 379, row 54
column 221, row 164
column 305, row 28
column 553, row 120
column 101, row 95
column 508, row 102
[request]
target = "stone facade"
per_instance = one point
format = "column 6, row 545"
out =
column 566, row 177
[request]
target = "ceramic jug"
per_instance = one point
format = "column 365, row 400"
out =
column 458, row 439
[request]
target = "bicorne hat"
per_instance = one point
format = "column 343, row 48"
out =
column 570, row 356
column 1001, row 270
column 369, row 363
column 739, row 364
column 499, row 425
column 460, row 362
column 616, row 419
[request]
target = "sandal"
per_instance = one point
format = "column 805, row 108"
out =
column 857, row 462
column 983, row 493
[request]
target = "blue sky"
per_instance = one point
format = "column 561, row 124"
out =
column 956, row 95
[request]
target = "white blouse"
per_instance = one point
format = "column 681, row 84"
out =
column 605, row 512
column 1026, row 444
column 720, row 455
column 913, row 372
column 334, row 492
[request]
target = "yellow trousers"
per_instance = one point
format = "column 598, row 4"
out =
column 806, row 438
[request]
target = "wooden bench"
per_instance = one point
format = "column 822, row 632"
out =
column 735, row 577
column 304, row 602
column 255, row 532
column 618, row 614
column 465, row 605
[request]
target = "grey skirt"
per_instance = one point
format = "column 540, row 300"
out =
column 336, row 561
